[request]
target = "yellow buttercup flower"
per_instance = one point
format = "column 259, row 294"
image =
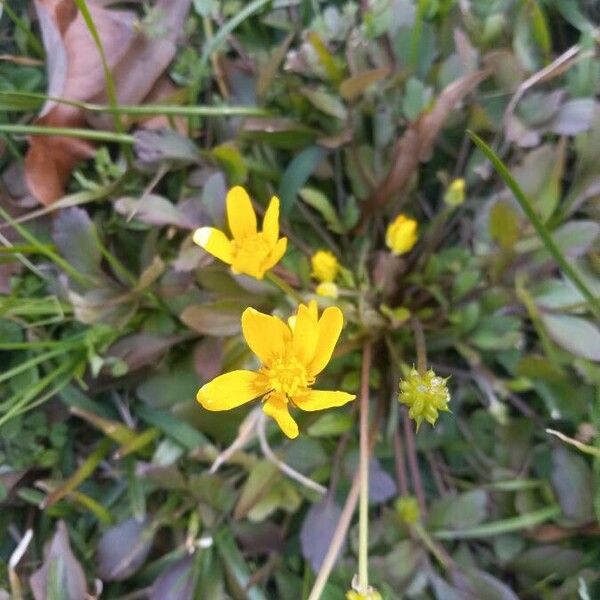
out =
column 324, row 265
column 292, row 355
column 327, row 289
column 401, row 235
column 425, row 395
column 251, row 252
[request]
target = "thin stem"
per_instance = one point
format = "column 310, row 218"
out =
column 145, row 110
column 283, row 467
column 409, row 436
column 88, row 134
column 438, row 551
column 287, row 289
column 420, row 346
column 343, row 524
column 400, row 463
column 363, row 524
column 336, row 541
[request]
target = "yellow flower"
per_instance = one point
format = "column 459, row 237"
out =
column 425, row 394
column 455, row 193
column 401, row 235
column 292, row 355
column 327, row 289
column 251, row 252
column 324, row 265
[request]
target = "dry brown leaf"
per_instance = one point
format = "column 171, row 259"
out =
column 416, row 144
column 137, row 61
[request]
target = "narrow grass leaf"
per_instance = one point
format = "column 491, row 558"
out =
column 540, row 228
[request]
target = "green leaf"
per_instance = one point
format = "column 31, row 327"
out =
column 235, row 564
column 261, row 478
column 319, row 201
column 297, row 173
column 504, row 526
column 579, row 336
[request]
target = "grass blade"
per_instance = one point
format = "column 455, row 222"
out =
column 504, row 526
column 540, row 228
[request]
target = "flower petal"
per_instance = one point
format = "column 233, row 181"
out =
column 271, row 221
column 305, row 336
column 231, row 390
column 276, row 407
column 266, row 335
column 328, row 331
column 321, row 399
column 215, row 242
column 240, row 213
column 276, row 254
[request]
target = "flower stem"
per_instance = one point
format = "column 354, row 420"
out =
column 420, row 346
column 284, row 287
column 336, row 541
column 363, row 523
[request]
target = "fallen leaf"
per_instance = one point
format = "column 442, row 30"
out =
column 61, row 572
column 416, row 144
column 136, row 56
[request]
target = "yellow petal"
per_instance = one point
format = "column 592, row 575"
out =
column 266, row 335
column 231, row 390
column 240, row 213
column 305, row 335
column 321, row 399
column 271, row 221
column 276, row 407
column 328, row 331
column 214, row 242
column 275, row 255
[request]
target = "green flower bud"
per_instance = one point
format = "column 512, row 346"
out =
column 425, row 395
column 455, row 193
column 408, row 509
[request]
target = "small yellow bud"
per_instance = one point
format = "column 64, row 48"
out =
column 327, row 289
column 324, row 265
column 401, row 235
column 455, row 193
column 408, row 509
column 371, row 594
column 425, row 395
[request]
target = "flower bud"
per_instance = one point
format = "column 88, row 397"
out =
column 455, row 193
column 425, row 395
column 324, row 265
column 401, row 235
column 327, row 289
column 408, row 509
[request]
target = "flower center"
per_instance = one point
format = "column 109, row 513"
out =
column 250, row 252
column 287, row 376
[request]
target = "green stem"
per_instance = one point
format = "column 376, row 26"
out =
column 145, row 110
column 363, row 506
column 88, row 134
column 438, row 552
column 420, row 345
column 284, row 287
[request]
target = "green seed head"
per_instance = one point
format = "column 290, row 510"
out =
column 425, row 395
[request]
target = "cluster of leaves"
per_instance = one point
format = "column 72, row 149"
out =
column 111, row 318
